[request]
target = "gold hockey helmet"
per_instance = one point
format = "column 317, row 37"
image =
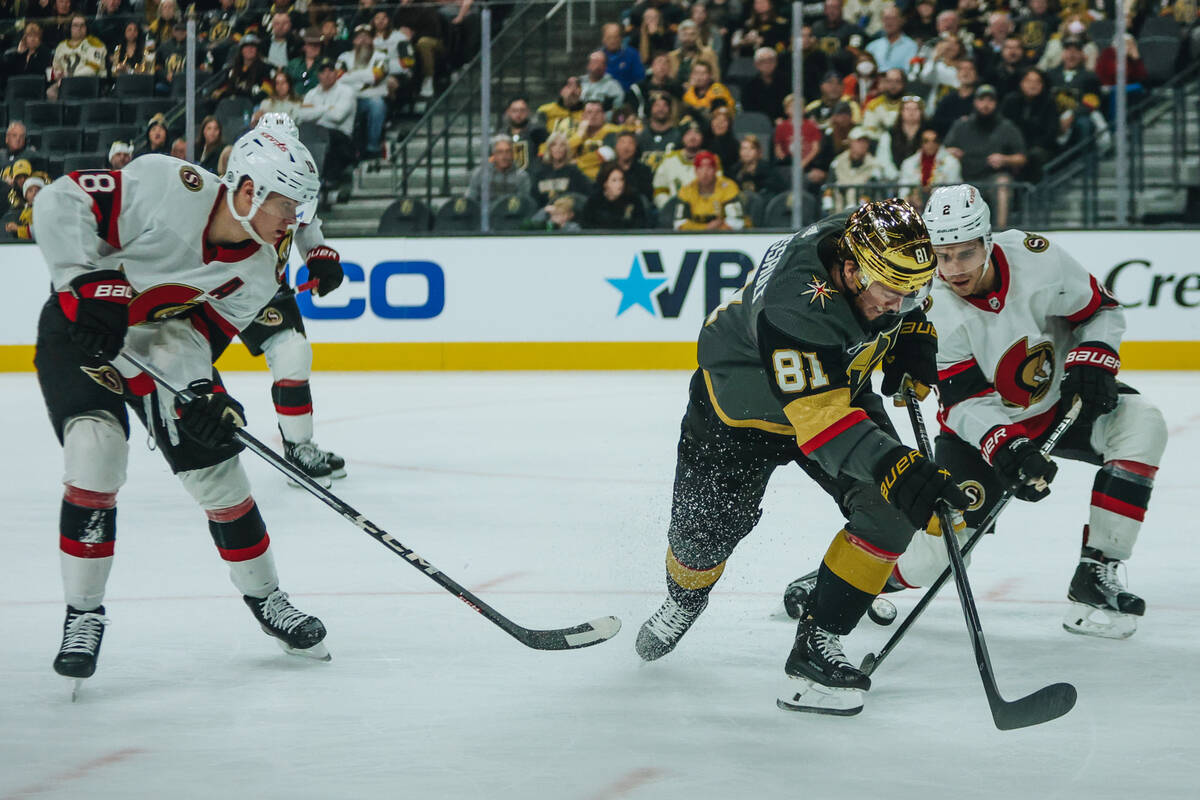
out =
column 889, row 242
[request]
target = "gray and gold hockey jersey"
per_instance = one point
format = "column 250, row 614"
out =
column 789, row 355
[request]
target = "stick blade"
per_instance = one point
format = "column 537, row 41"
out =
column 1044, row 705
column 598, row 630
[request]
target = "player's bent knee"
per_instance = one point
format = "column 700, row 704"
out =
column 289, row 355
column 95, row 452
column 220, row 486
column 1136, row 431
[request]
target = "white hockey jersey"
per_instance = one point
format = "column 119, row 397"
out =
column 1000, row 357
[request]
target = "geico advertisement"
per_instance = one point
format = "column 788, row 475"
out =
column 612, row 288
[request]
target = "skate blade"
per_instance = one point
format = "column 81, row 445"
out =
column 338, row 473
column 1086, row 620
column 76, row 689
column 318, row 652
column 809, row 696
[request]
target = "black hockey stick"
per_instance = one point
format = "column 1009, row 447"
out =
column 589, row 633
column 872, row 660
column 1047, row 703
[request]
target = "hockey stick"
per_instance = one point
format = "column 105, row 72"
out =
column 872, row 660
column 1047, row 703
column 589, row 633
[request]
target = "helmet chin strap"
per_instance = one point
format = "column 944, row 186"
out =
column 244, row 221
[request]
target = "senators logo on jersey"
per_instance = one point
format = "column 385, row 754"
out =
column 1024, row 375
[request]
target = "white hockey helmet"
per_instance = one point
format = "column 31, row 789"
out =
column 277, row 120
column 275, row 161
column 959, row 214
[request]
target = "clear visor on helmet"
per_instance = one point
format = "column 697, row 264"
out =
column 893, row 301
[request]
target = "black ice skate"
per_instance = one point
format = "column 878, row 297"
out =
column 299, row 634
column 820, row 678
column 337, row 464
column 659, row 634
column 311, row 460
column 82, row 633
column 1100, row 604
column 795, row 597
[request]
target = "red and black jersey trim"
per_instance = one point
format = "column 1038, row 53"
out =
column 994, row 301
column 103, row 188
column 962, row 381
column 238, row 531
column 1099, row 301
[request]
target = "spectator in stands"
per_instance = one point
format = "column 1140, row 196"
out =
column 303, row 68
column 880, row 112
column 111, row 19
column 156, row 137
column 960, row 103
column 831, row 144
column 894, row 49
column 816, row 62
column 365, row 71
column 720, row 140
column 862, row 85
column 15, row 176
column 990, row 148
column 762, row 28
column 79, row 55
column 331, row 106
column 853, row 170
column 751, row 172
column 57, row 26
column 612, row 204
column 119, row 154
column 504, row 177
column 931, row 166
column 463, row 22
column 565, row 112
column 283, row 99
column 212, row 142
column 597, row 84
column 1035, row 25
column 16, row 144
column 129, row 55
column 677, row 168
column 922, row 23
column 399, row 52
column 283, row 45
column 179, row 149
column 1082, row 123
column 1007, row 71
column 556, row 216
column 216, row 33
column 259, row 18
column 987, row 53
column 661, row 132
column 940, row 68
column 833, row 31
column 671, row 13
column 423, row 27
column 765, row 91
column 249, row 76
column 554, row 173
column 690, row 52
column 165, row 18
column 527, row 138
column 169, row 58
column 711, row 202
column 18, row 223
column 867, row 14
column 30, row 56
column 1135, row 68
column 810, row 133
column 972, row 19
column 1072, row 77
column 652, row 38
column 902, row 139
column 1033, row 110
column 1073, row 27
column 821, row 109
column 710, row 35
column 623, row 63
column 638, row 176
column 704, row 95
column 658, row 81
column 588, row 146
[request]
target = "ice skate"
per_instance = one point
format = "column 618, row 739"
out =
column 881, row 611
column 82, row 633
column 299, row 634
column 1100, row 604
column 337, row 464
column 659, row 634
column 311, row 460
column 820, row 678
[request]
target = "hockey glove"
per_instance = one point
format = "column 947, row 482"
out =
column 97, row 311
column 914, row 354
column 1020, row 464
column 325, row 265
column 914, row 485
column 1091, row 374
column 213, row 417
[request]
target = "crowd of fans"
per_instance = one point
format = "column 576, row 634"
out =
column 682, row 116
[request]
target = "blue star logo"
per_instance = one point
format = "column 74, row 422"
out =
column 636, row 289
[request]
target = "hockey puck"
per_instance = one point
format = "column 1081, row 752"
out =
column 882, row 611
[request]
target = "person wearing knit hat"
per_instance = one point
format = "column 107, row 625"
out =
column 156, row 136
column 119, row 154
column 711, row 202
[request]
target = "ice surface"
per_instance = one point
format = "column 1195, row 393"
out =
column 548, row 495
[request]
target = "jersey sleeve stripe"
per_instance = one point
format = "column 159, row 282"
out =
column 1093, row 304
column 820, row 418
column 954, row 369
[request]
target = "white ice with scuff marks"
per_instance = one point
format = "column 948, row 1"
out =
column 548, row 495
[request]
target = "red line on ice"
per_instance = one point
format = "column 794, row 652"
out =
column 74, row 773
column 628, row 782
column 495, row 581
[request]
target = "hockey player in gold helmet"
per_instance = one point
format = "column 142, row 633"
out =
column 785, row 376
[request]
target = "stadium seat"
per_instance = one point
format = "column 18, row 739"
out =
column 95, row 113
column 1159, row 53
column 754, row 207
column 61, row 140
column 459, row 214
column 1101, row 32
column 510, row 212
column 133, row 86
column 80, row 87
column 406, row 215
column 778, row 213
column 666, row 214
column 19, row 90
column 146, row 108
column 757, row 123
column 102, row 138
column 740, row 71
column 1161, row 26
column 234, row 115
column 81, row 161
column 39, row 114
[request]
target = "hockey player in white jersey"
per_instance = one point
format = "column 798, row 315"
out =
column 158, row 259
column 1023, row 330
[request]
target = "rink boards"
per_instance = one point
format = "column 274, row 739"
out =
column 603, row 302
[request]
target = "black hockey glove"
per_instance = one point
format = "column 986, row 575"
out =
column 1091, row 374
column 914, row 354
column 213, row 417
column 325, row 265
column 1021, row 465
column 914, row 485
column 97, row 311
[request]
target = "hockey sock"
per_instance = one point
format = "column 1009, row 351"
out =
column 241, row 538
column 293, row 405
column 1120, row 496
column 87, row 536
column 852, row 573
column 690, row 586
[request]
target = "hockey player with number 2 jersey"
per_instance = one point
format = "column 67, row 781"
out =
column 158, row 259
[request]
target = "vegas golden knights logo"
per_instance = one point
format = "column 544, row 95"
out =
column 867, row 356
column 107, row 376
column 1025, row 374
